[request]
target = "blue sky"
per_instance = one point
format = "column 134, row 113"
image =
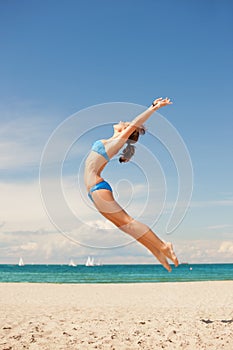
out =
column 58, row 57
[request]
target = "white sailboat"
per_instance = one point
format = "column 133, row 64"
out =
column 21, row 263
column 90, row 261
column 71, row 263
column 99, row 263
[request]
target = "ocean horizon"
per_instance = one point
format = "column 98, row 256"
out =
column 114, row 273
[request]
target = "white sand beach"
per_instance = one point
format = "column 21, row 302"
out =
column 194, row 315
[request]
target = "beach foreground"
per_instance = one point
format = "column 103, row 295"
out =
column 193, row 315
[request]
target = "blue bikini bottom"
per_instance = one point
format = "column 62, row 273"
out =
column 103, row 185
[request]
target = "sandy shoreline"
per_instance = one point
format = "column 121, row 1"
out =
column 193, row 315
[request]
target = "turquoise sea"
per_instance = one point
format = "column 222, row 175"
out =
column 114, row 273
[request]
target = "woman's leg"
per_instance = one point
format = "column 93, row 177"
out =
column 111, row 210
column 166, row 248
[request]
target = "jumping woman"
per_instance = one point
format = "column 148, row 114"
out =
column 100, row 192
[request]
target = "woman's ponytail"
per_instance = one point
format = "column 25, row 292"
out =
column 129, row 150
column 127, row 153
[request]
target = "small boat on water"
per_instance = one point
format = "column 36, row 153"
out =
column 71, row 263
column 90, row 261
column 21, row 263
column 99, row 263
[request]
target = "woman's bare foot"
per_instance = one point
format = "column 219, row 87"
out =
column 168, row 251
column 162, row 259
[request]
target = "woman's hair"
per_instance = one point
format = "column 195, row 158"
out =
column 129, row 150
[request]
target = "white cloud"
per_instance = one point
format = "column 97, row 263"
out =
column 21, row 205
column 2, row 224
column 219, row 227
column 204, row 251
column 214, row 203
column 26, row 230
column 201, row 204
column 54, row 247
column 226, row 247
column 30, row 246
column 100, row 224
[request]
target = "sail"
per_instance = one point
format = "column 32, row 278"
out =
column 71, row 263
column 90, row 261
column 21, row 263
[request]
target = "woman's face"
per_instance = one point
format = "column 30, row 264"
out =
column 120, row 126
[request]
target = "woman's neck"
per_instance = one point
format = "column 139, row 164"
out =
column 115, row 135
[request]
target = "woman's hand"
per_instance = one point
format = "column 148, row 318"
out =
column 142, row 118
column 160, row 102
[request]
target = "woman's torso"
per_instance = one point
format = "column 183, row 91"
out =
column 96, row 162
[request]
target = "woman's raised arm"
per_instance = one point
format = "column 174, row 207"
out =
column 142, row 118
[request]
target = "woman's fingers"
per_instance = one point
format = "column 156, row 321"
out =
column 160, row 102
column 167, row 100
column 158, row 99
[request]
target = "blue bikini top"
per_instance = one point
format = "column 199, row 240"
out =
column 99, row 148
